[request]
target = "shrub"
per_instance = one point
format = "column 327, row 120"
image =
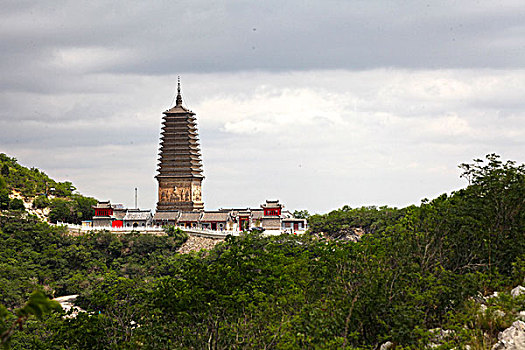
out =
column 4, row 199
column 41, row 202
column 16, row 204
column 176, row 233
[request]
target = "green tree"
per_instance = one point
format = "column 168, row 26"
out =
column 4, row 199
column 173, row 231
column 62, row 210
column 5, row 170
column 495, row 200
column 64, row 189
column 83, row 206
column 37, row 305
column 41, row 202
column 301, row 214
column 16, row 204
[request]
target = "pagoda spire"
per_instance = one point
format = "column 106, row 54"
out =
column 179, row 97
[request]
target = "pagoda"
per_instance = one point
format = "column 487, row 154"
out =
column 180, row 166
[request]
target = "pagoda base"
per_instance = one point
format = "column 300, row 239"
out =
column 180, row 206
column 176, row 193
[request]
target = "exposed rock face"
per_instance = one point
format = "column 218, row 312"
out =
column 352, row 234
column 387, row 346
column 195, row 244
column 68, row 302
column 42, row 214
column 493, row 295
column 516, row 292
column 512, row 338
column 439, row 336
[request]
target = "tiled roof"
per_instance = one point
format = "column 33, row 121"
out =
column 272, row 204
column 103, row 205
column 166, row 215
column 215, row 216
column 137, row 214
column 286, row 214
column 293, row 220
column 257, row 214
column 189, row 217
column 178, row 109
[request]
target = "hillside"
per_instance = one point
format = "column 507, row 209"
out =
column 30, row 182
column 33, row 192
column 445, row 274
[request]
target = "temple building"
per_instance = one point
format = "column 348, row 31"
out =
column 180, row 166
column 103, row 216
column 180, row 179
column 137, row 218
column 115, row 216
column 180, row 195
column 271, row 218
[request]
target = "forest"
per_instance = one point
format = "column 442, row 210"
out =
column 415, row 270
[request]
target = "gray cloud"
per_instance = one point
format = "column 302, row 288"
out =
column 319, row 103
column 163, row 36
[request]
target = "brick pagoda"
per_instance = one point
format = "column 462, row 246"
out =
column 180, row 166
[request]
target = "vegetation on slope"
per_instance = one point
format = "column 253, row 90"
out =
column 338, row 223
column 34, row 185
column 418, row 268
column 31, row 182
column 35, row 255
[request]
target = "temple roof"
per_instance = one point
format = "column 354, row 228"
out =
column 208, row 216
column 166, row 215
column 257, row 214
column 178, row 109
column 190, row 216
column 272, row 204
column 102, row 205
column 137, row 214
column 293, row 220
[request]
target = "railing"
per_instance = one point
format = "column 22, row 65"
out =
column 158, row 229
column 109, row 228
column 207, row 232
column 145, row 229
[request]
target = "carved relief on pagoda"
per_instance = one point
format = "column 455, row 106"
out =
column 175, row 192
column 196, row 189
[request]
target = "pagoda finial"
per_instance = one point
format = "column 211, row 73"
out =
column 179, row 97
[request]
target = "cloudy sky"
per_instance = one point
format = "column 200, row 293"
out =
column 316, row 103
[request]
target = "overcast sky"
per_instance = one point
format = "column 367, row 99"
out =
column 317, row 103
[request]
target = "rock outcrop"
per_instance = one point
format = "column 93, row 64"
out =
column 387, row 346
column 42, row 214
column 196, row 243
column 516, row 292
column 512, row 338
column 68, row 302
